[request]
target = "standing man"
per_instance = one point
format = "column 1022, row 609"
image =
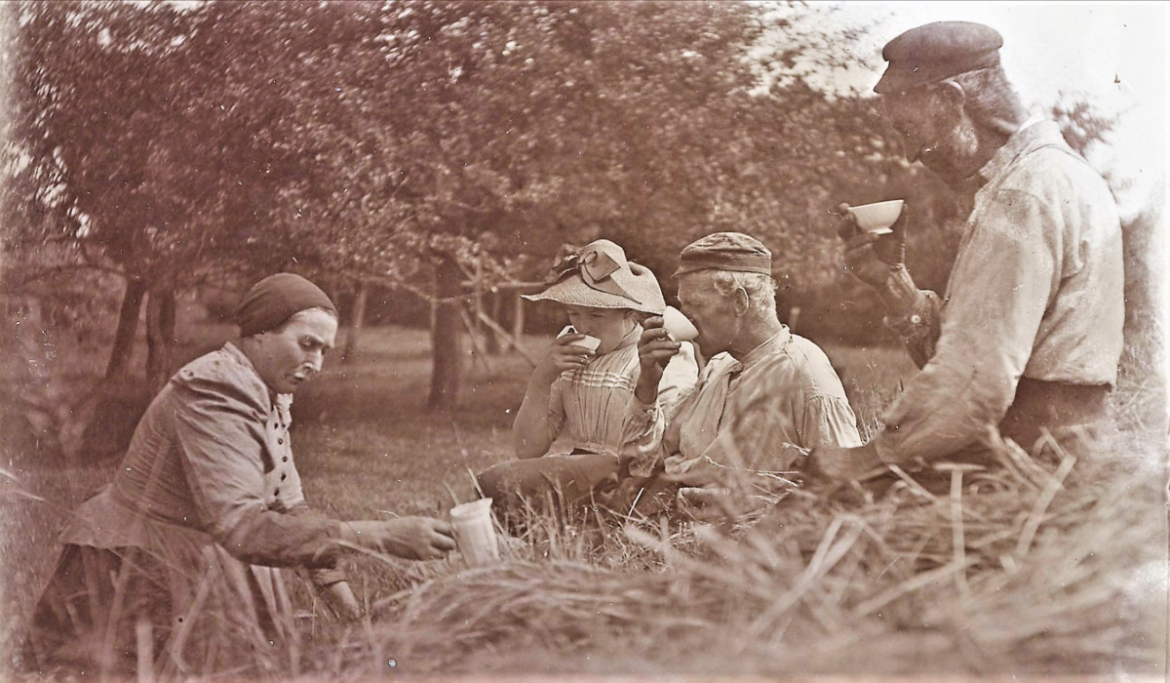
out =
column 1029, row 333
column 765, row 398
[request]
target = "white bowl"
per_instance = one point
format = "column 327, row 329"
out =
column 877, row 218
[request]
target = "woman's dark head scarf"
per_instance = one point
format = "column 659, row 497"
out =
column 277, row 298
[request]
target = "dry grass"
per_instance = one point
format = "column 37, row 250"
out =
column 1046, row 566
column 1049, row 572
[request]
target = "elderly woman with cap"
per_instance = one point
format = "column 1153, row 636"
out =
column 178, row 553
column 586, row 395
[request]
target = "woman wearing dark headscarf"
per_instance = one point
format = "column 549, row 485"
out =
column 179, row 551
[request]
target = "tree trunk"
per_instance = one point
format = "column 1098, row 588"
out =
column 477, row 306
column 357, row 317
column 160, row 336
column 445, row 341
column 518, row 318
column 492, row 343
column 119, row 362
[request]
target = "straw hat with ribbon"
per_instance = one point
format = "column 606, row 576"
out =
column 599, row 276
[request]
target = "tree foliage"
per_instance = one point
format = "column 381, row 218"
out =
column 414, row 144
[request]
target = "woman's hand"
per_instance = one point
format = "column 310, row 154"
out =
column 412, row 538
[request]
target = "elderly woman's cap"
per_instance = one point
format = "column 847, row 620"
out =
column 599, row 276
column 733, row 251
column 277, row 298
column 934, row 52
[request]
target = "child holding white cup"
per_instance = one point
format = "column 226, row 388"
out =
column 581, row 393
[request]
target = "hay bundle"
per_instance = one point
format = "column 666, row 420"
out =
column 1024, row 568
column 1035, row 566
column 526, row 608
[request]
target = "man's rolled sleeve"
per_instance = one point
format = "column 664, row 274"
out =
column 919, row 327
column 644, row 424
column 643, row 450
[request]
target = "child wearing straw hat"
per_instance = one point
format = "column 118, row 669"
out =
column 582, row 391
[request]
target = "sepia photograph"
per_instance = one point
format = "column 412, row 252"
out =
column 619, row 341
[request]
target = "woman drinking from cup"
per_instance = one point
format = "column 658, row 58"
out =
column 583, row 389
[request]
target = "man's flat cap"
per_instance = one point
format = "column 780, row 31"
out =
column 733, row 251
column 934, row 52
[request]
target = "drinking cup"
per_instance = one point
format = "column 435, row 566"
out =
column 474, row 533
column 678, row 325
column 877, row 218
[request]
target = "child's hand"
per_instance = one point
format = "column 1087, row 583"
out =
column 567, row 353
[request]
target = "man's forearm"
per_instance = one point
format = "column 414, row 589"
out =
column 900, row 294
column 913, row 314
column 646, row 390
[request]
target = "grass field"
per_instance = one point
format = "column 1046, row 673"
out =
column 1051, row 567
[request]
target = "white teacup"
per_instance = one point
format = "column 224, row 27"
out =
column 589, row 343
column 474, row 534
column 678, row 325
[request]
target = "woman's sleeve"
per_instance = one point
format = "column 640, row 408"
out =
column 220, row 429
